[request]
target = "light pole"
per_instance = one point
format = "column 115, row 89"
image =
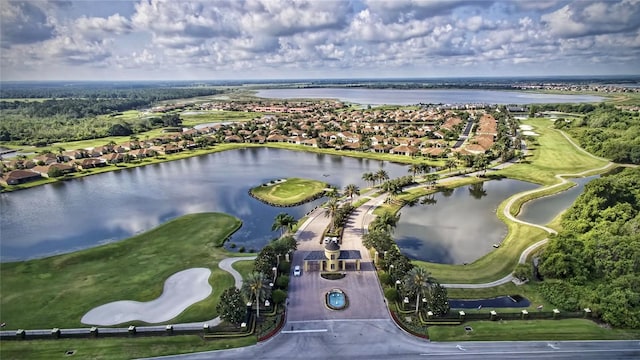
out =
column 397, row 284
column 275, row 273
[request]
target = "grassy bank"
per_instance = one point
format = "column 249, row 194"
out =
column 290, row 192
column 550, row 154
column 116, row 348
column 57, row 291
column 529, row 330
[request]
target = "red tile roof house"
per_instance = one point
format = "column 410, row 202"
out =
column 44, row 170
column 404, row 150
column 16, row 177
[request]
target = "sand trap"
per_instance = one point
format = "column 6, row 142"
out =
column 526, row 127
column 181, row 290
column 530, row 133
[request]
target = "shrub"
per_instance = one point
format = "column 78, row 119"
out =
column 391, row 294
column 278, row 296
column 242, row 249
column 284, row 267
column 282, row 282
column 384, row 278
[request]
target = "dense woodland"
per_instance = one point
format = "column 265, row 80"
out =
column 604, row 130
column 70, row 114
column 595, row 261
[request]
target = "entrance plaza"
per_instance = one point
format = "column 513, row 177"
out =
column 307, row 292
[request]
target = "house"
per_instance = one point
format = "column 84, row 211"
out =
column 91, row 163
column 46, row 159
column 404, row 150
column 16, row 177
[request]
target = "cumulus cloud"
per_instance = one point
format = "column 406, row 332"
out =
column 290, row 37
column 23, row 23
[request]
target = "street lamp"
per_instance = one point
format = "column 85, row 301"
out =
column 266, row 303
column 275, row 273
column 391, row 268
column 397, row 284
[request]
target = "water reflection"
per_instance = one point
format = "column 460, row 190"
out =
column 543, row 210
column 76, row 214
column 456, row 230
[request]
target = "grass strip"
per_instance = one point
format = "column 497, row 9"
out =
column 57, row 291
column 116, row 348
column 530, row 330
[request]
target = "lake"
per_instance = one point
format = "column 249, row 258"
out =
column 458, row 226
column 81, row 213
column 425, row 96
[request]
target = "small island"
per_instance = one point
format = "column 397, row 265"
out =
column 289, row 192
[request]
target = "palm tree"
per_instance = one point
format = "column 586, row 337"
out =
column 332, row 210
column 414, row 169
column 418, row 281
column 283, row 221
column 369, row 178
column 382, row 175
column 256, row 286
column 385, row 222
column 450, row 164
column 351, row 190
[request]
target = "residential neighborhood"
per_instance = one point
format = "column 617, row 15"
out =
column 431, row 132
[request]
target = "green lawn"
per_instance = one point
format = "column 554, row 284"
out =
column 551, row 154
column 516, row 330
column 290, row 192
column 116, row 348
column 57, row 291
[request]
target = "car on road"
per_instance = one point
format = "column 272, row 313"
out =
column 296, row 270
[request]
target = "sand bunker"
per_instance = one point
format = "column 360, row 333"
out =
column 530, row 133
column 181, row 290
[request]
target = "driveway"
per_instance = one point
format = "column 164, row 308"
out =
column 306, row 292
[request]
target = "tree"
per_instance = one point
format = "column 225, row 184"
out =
column 351, row 190
column 385, row 222
column 381, row 175
column 283, row 221
column 266, row 261
column 450, row 164
column 418, row 282
column 256, row 288
column 378, row 239
column 369, row 178
column 438, row 300
column 232, row 307
column 332, row 209
column 54, row 172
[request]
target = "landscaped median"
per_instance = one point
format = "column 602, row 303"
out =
column 289, row 192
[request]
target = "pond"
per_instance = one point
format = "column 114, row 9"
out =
column 497, row 302
column 458, row 226
column 542, row 210
column 81, row 213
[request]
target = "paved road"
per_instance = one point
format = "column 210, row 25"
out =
column 381, row 339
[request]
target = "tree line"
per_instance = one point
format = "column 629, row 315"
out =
column 81, row 114
column 594, row 262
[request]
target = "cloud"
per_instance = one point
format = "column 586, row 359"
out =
column 250, row 38
column 595, row 18
column 23, row 23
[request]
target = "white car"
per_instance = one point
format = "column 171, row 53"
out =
column 296, row 270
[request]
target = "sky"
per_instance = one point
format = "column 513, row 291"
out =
column 315, row 39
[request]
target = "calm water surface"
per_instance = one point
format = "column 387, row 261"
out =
column 81, row 213
column 456, row 227
column 425, row 96
column 542, row 210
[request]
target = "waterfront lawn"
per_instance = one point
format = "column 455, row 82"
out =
column 551, row 154
column 57, row 291
column 529, row 330
column 117, row 348
column 289, row 192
